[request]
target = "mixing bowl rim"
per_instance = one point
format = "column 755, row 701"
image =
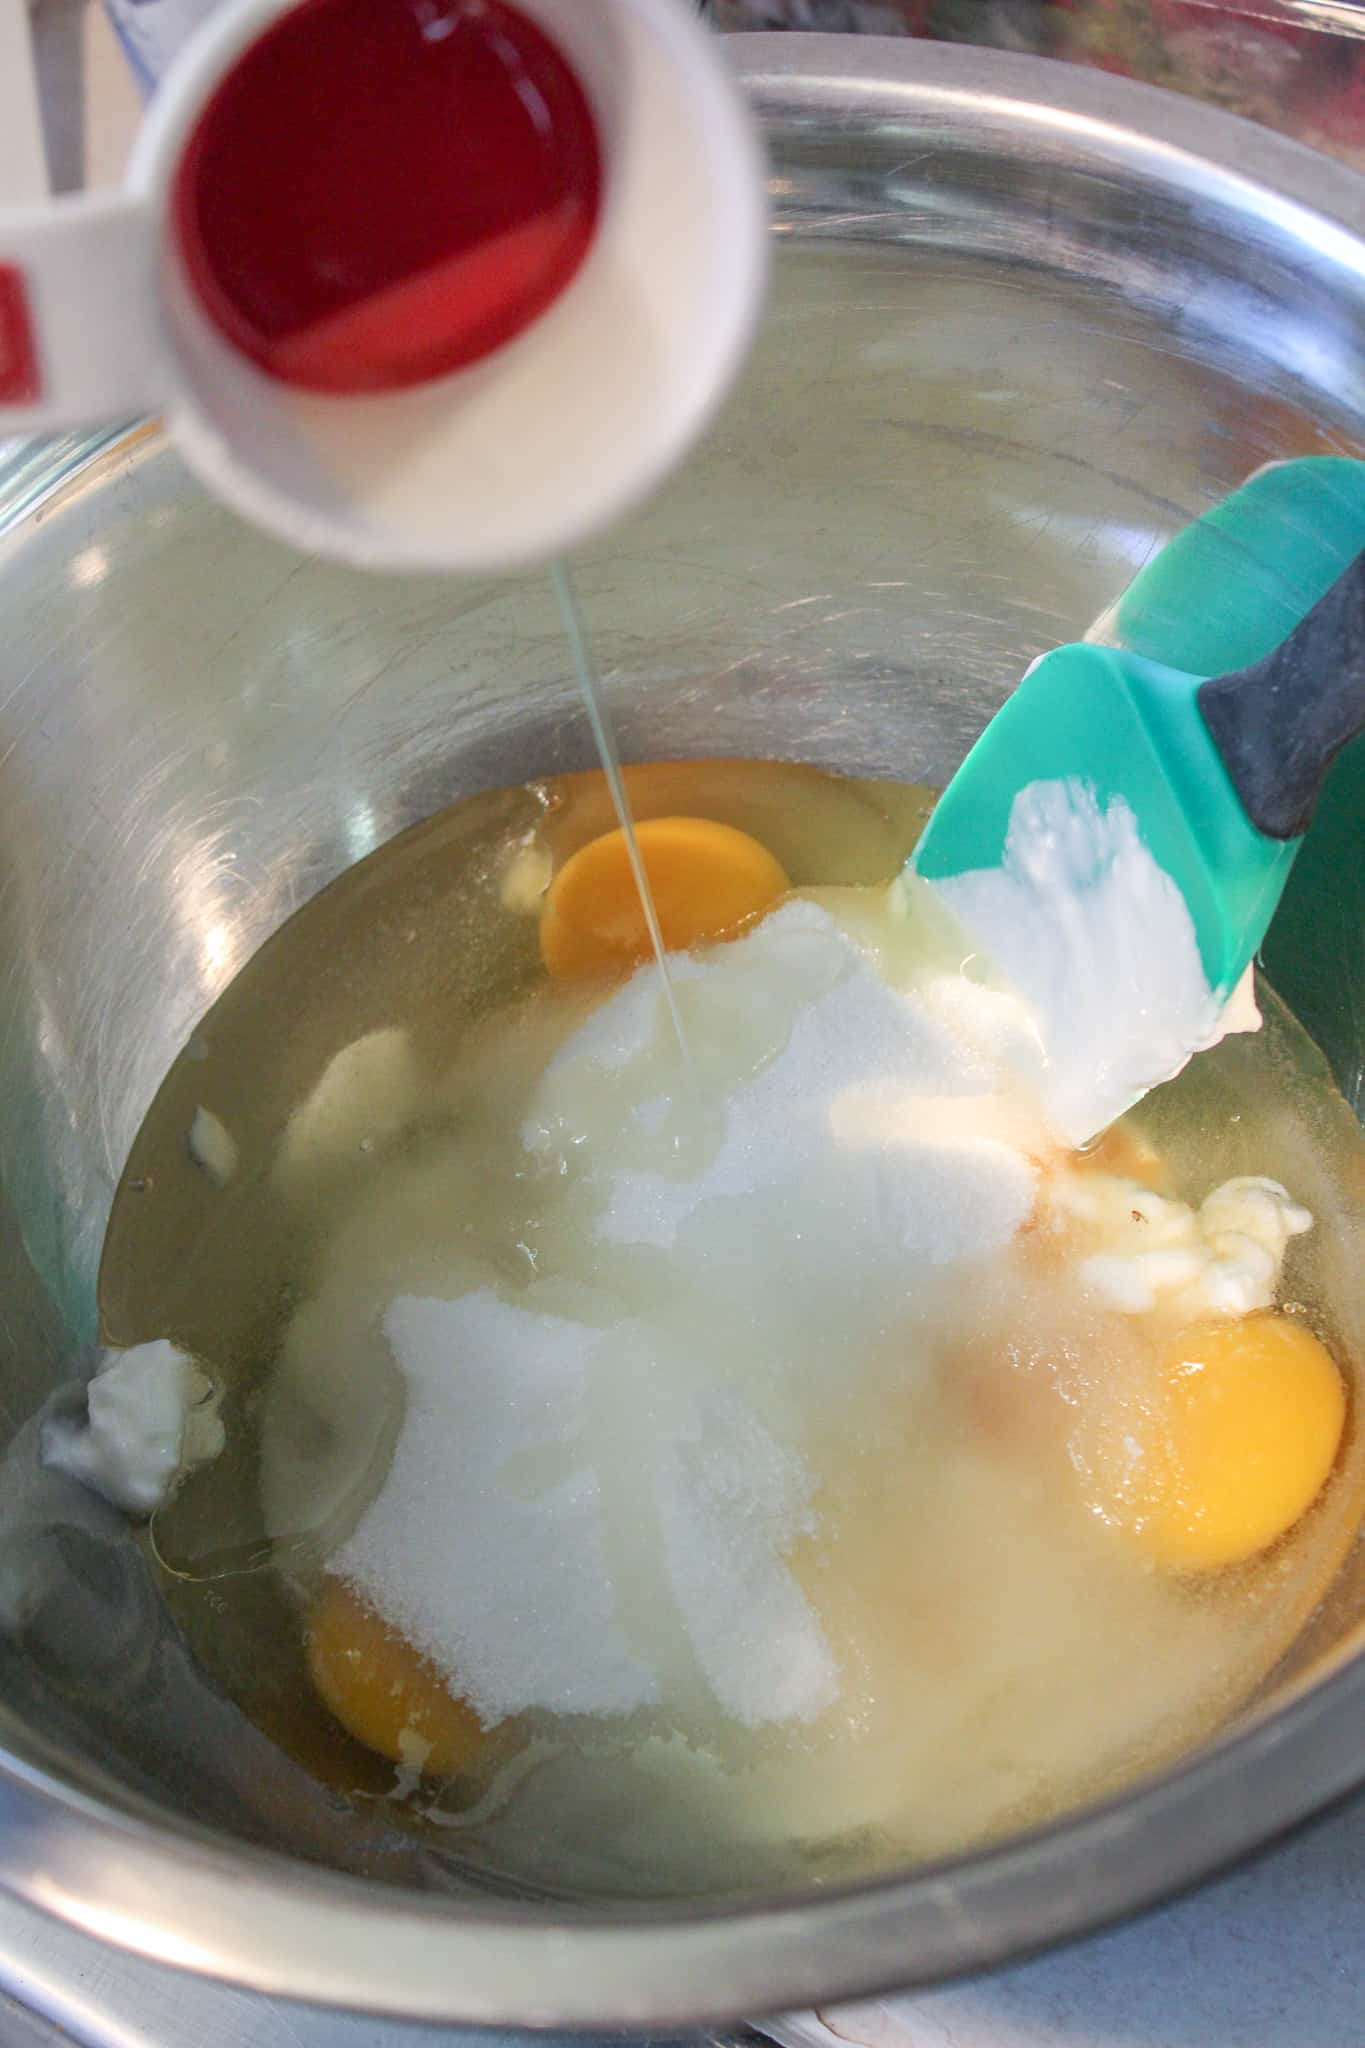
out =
column 305, row 1932
column 281, row 1927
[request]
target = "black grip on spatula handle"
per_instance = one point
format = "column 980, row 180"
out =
column 1280, row 723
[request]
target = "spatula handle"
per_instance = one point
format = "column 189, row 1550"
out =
column 1280, row 723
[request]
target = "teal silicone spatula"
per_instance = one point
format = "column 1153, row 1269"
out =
column 1218, row 775
column 1234, row 583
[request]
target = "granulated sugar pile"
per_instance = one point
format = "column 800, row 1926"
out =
column 603, row 1465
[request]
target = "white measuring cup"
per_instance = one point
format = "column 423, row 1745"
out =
column 511, row 458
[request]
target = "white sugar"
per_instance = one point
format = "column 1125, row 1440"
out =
column 601, row 1511
column 833, row 1120
column 485, row 1545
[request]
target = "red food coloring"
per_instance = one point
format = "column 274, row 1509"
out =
column 382, row 191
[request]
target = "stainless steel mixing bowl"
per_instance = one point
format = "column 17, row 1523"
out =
column 1027, row 321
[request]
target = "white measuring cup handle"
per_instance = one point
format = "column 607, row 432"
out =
column 80, row 335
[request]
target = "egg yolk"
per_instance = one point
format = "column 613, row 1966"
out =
column 708, row 881
column 385, row 1693
column 1255, row 1416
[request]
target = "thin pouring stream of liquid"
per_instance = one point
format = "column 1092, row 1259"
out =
column 605, row 741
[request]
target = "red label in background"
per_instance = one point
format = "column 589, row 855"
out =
column 20, row 383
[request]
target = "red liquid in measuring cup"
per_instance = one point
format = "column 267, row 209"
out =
column 382, row 191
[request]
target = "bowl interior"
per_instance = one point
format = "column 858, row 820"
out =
column 995, row 375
